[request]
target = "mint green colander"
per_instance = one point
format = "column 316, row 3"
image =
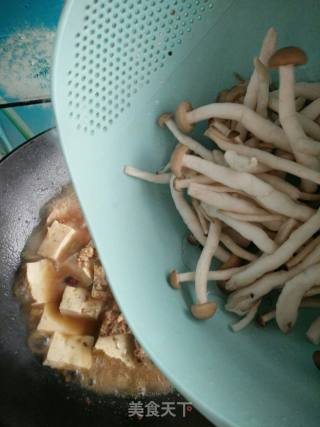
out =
column 118, row 66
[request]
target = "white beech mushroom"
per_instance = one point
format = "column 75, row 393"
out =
column 203, row 222
column 303, row 252
column 263, row 218
column 225, row 130
column 281, row 185
column 223, row 201
column 286, row 59
column 281, row 255
column 244, row 297
column 167, row 120
column 262, row 128
column 268, row 159
column 291, row 295
column 263, row 88
column 250, row 98
column 242, row 163
column 247, row 319
column 263, row 193
column 285, row 230
column 236, row 237
column 249, row 231
column 204, row 262
column 163, row 178
column 234, row 248
column 181, row 183
column 313, row 291
column 273, row 103
column 175, row 279
column 305, row 303
column 313, row 333
column 187, row 214
column 310, row 91
column 310, row 127
column 312, row 111
column 218, row 158
column 190, row 218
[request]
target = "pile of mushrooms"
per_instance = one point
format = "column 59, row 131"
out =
column 252, row 200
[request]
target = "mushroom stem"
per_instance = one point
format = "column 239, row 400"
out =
column 248, row 318
column 243, row 298
column 312, row 111
column 187, row 214
column 286, row 59
column 249, row 231
column 203, row 222
column 204, row 262
column 163, row 178
column 218, row 158
column 181, row 183
column 285, row 230
column 262, row 128
column 281, row 185
column 310, row 127
column 250, row 99
column 236, row 249
column 176, row 279
column 265, row 318
column 313, row 332
column 310, row 91
column 242, row 163
column 192, row 144
column 292, row 294
column 263, row 88
column 273, row 261
column 263, row 193
column 223, row 201
column 304, row 251
column 257, row 218
column 274, row 162
column 191, row 220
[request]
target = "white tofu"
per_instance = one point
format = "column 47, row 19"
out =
column 77, row 302
column 62, row 241
column 71, row 268
column 118, row 347
column 53, row 321
column 70, row 352
column 43, row 281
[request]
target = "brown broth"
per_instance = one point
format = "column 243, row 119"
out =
column 107, row 375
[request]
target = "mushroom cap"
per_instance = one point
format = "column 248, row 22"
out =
column 174, row 279
column 181, row 116
column 288, row 56
column 176, row 160
column 164, row 118
column 204, row 311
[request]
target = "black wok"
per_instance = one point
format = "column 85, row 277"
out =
column 32, row 395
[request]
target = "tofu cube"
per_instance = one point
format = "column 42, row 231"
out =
column 70, row 352
column 53, row 321
column 77, row 302
column 71, row 268
column 66, row 209
column 117, row 346
column 62, row 241
column 43, row 281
